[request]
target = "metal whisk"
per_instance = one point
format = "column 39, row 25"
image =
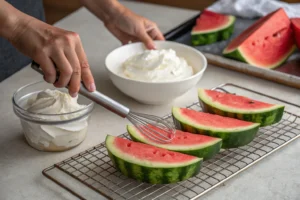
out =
column 153, row 127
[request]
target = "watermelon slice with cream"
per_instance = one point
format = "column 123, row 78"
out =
column 150, row 164
column 212, row 27
column 240, row 107
column 267, row 43
column 296, row 28
column 193, row 144
column 233, row 132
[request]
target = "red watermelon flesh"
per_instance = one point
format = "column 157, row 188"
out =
column 150, row 153
column 181, row 137
column 267, row 42
column 235, row 101
column 209, row 20
column 212, row 120
column 296, row 28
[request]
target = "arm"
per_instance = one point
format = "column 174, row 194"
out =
column 49, row 46
column 105, row 10
column 9, row 17
column 123, row 23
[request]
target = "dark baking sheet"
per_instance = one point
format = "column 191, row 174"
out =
column 290, row 69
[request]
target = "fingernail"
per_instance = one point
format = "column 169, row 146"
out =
column 74, row 94
column 92, row 87
column 152, row 46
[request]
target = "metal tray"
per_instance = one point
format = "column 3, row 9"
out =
column 93, row 170
column 288, row 73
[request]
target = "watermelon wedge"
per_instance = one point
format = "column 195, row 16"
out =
column 150, row 164
column 201, row 146
column 212, row 27
column 240, row 107
column 296, row 28
column 267, row 43
column 233, row 132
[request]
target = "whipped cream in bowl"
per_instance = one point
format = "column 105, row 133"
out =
column 51, row 119
column 157, row 76
column 156, row 66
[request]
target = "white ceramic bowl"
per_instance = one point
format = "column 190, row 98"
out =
column 155, row 92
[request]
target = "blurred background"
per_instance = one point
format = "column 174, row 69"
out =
column 57, row 9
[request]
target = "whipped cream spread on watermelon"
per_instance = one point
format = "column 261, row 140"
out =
column 156, row 66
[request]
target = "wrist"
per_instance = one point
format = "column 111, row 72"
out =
column 113, row 11
column 11, row 20
column 106, row 10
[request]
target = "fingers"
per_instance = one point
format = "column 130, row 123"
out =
column 74, row 84
column 48, row 68
column 155, row 33
column 146, row 39
column 122, row 36
column 64, row 68
column 151, row 33
column 86, row 73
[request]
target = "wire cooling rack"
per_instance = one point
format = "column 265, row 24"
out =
column 94, row 169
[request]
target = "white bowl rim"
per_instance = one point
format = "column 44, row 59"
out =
column 161, row 82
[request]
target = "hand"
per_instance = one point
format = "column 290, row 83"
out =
column 127, row 26
column 51, row 46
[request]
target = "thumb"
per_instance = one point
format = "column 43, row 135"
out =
column 146, row 39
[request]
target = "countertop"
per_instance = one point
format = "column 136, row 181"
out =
column 276, row 177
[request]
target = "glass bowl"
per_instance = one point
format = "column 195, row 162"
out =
column 51, row 132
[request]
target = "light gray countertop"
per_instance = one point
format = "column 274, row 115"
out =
column 276, row 177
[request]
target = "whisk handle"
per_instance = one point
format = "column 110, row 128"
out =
column 96, row 97
column 105, row 101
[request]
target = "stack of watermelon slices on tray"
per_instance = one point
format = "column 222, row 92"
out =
column 227, row 121
column 267, row 43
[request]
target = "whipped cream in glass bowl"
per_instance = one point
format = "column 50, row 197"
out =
column 51, row 119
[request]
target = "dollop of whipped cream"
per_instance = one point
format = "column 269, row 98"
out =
column 53, row 102
column 60, row 136
column 156, row 66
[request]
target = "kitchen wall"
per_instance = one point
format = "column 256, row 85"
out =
column 57, row 9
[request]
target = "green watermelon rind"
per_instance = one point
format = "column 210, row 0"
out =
column 237, row 54
column 214, row 35
column 205, row 151
column 151, row 172
column 264, row 117
column 231, row 137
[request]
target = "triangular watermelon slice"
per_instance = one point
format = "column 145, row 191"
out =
column 201, row 146
column 212, row 27
column 240, row 107
column 150, row 164
column 296, row 28
column 233, row 132
column 267, row 43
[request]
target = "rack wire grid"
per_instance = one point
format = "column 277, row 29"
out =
column 95, row 170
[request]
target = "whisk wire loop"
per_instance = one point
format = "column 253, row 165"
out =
column 153, row 127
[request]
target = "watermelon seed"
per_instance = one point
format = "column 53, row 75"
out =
column 129, row 145
column 276, row 35
column 154, row 152
column 163, row 155
column 253, row 43
column 185, row 137
column 251, row 102
column 266, row 38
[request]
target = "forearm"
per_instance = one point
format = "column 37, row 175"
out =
column 106, row 10
column 10, row 19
